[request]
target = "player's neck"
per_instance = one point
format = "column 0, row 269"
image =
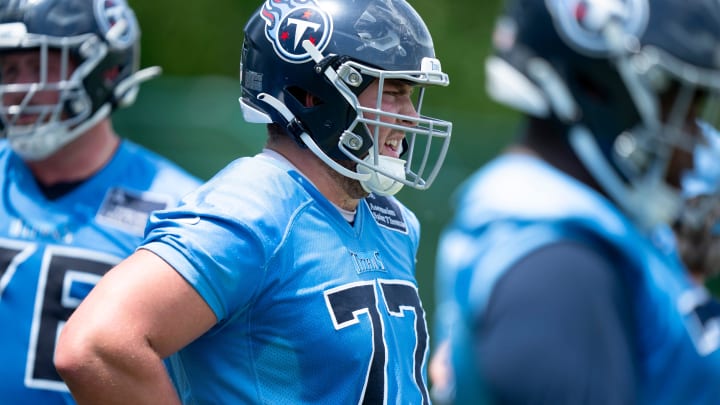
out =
column 79, row 159
column 330, row 183
column 548, row 140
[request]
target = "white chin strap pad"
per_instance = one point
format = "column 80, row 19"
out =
column 381, row 184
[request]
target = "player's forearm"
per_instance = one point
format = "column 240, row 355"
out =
column 94, row 376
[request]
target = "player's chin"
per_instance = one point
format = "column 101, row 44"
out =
column 354, row 189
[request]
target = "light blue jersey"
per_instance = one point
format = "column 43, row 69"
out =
column 517, row 205
column 53, row 252
column 311, row 308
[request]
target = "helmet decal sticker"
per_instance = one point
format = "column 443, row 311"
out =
column 110, row 12
column 289, row 22
column 581, row 22
column 387, row 24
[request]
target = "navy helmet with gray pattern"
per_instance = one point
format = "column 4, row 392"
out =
column 629, row 79
column 332, row 51
column 99, row 37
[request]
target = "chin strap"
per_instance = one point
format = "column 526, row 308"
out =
column 371, row 181
column 379, row 183
column 47, row 139
column 309, row 142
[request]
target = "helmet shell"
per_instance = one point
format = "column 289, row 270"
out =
column 383, row 34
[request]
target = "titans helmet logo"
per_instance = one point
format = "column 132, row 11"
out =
column 109, row 13
column 581, row 22
column 289, row 22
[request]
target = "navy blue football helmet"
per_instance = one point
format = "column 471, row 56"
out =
column 332, row 51
column 630, row 79
column 98, row 44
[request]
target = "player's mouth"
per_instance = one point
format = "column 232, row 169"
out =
column 392, row 147
column 25, row 120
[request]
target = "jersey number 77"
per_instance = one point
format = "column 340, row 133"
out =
column 347, row 302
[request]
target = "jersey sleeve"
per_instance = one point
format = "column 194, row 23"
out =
column 557, row 331
column 221, row 259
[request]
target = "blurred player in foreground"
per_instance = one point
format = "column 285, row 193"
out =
column 552, row 287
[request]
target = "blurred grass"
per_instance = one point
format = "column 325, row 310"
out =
column 195, row 121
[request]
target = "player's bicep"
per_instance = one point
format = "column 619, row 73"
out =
column 143, row 300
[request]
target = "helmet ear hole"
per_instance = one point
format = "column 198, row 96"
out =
column 305, row 98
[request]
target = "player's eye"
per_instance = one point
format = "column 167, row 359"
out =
column 8, row 73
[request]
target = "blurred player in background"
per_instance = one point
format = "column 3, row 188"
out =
column 698, row 228
column 552, row 287
column 290, row 276
column 74, row 197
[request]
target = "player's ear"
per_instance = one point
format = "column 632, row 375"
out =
column 311, row 100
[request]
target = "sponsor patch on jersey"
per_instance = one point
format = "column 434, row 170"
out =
column 290, row 22
column 386, row 213
column 129, row 210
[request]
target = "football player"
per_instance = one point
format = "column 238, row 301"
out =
column 290, row 276
column 74, row 196
column 553, row 289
